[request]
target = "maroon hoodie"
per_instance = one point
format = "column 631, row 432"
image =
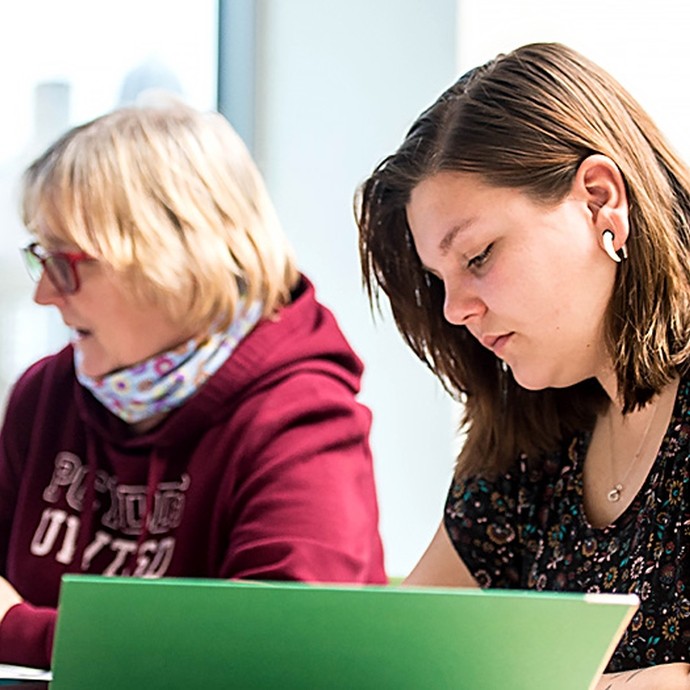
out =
column 265, row 473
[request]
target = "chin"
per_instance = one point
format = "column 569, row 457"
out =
column 539, row 381
column 95, row 370
column 92, row 360
column 531, row 386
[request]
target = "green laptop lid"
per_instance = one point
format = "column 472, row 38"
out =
column 116, row 633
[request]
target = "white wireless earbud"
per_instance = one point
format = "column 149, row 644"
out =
column 607, row 238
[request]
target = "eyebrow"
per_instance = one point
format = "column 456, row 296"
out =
column 447, row 240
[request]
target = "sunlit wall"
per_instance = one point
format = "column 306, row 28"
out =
column 643, row 44
column 63, row 63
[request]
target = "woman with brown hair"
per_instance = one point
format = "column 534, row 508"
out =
column 532, row 235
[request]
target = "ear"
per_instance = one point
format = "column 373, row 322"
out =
column 600, row 183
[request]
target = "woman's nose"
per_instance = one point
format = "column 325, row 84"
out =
column 461, row 304
column 45, row 292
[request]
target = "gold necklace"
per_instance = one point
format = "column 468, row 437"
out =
column 614, row 493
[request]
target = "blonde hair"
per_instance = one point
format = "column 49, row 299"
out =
column 527, row 120
column 170, row 199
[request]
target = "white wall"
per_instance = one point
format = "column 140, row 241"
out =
column 642, row 44
column 64, row 63
column 338, row 85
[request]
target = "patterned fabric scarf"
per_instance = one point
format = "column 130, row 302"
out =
column 165, row 381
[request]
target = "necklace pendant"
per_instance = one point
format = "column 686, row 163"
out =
column 615, row 494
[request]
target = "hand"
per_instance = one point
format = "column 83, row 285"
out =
column 8, row 597
column 667, row 676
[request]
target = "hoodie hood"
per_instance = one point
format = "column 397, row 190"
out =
column 303, row 336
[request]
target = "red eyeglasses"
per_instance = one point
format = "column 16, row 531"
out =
column 61, row 267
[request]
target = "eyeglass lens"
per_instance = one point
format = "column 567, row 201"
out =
column 33, row 264
column 58, row 269
column 60, row 273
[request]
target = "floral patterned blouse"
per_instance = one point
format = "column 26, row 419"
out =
column 528, row 530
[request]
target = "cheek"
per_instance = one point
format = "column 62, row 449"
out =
column 543, row 277
column 512, row 285
column 117, row 332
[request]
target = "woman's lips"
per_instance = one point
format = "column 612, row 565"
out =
column 80, row 333
column 496, row 343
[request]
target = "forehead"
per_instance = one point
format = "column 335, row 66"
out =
column 451, row 204
column 452, row 192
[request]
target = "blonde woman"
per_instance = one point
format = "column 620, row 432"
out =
column 203, row 421
column 532, row 234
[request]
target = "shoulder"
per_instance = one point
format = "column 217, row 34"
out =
column 53, row 371
column 683, row 394
column 485, row 495
column 306, row 399
column 40, row 395
column 524, row 487
column 306, row 314
column 304, row 336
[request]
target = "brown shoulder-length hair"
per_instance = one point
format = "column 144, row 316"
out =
column 526, row 120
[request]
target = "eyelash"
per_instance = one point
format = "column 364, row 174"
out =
column 481, row 258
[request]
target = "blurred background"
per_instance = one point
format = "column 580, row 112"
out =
column 321, row 91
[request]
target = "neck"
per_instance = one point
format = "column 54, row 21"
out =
column 622, row 450
column 609, row 382
column 147, row 424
